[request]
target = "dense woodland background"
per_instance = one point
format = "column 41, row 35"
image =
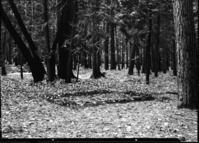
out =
column 147, row 41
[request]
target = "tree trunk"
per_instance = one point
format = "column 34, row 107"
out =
column 96, row 52
column 117, row 48
column 138, row 66
column 174, row 59
column 9, row 54
column 2, row 56
column 75, row 62
column 127, row 54
column 164, row 64
column 113, row 64
column 122, row 52
column 106, row 45
column 132, row 58
column 50, row 69
column 68, row 15
column 186, row 51
column 157, row 45
column 148, row 50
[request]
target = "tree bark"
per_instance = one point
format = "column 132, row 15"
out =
column 186, row 51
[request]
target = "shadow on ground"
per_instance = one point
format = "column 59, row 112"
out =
column 68, row 98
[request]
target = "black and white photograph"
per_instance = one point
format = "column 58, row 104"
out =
column 99, row 71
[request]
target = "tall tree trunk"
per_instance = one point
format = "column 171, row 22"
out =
column 2, row 59
column 157, row 45
column 37, row 75
column 174, row 59
column 132, row 58
column 127, row 54
column 117, row 48
column 67, row 17
column 164, row 65
column 144, row 61
column 122, row 52
column 186, row 53
column 113, row 63
column 138, row 66
column 9, row 54
column 50, row 68
column 106, row 45
column 148, row 50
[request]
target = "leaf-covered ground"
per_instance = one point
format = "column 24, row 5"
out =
column 118, row 106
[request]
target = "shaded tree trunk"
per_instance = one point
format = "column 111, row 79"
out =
column 113, row 63
column 148, row 49
column 118, row 49
column 67, row 17
column 186, row 51
column 144, row 61
column 106, row 45
column 174, row 59
column 157, row 45
column 122, row 52
column 9, row 53
column 50, row 69
column 127, row 54
column 132, row 58
column 2, row 55
column 138, row 63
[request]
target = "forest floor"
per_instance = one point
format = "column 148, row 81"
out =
column 118, row 106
